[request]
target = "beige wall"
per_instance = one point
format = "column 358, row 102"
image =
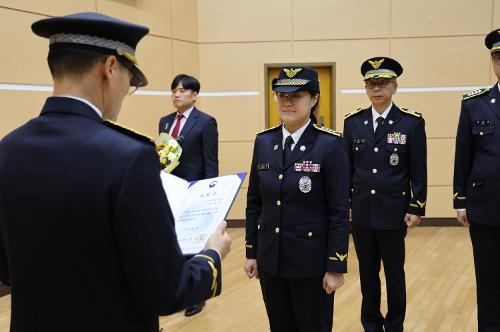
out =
column 226, row 43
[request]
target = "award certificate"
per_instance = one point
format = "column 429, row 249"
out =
column 199, row 206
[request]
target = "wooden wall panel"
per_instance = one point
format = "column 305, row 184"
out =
column 18, row 107
column 185, row 20
column 440, row 18
column 453, row 61
column 185, row 60
column 155, row 59
column 237, row 117
column 50, row 8
column 243, row 21
column 152, row 13
column 236, row 66
column 351, row 54
column 354, row 19
column 24, row 57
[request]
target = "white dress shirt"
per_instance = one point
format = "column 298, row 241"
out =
column 295, row 136
column 98, row 111
column 183, row 120
column 376, row 115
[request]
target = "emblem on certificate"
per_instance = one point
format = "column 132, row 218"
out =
column 305, row 184
column 394, row 159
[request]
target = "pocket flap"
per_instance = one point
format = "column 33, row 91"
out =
column 309, row 230
column 395, row 148
column 482, row 131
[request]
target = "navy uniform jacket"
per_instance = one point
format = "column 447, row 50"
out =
column 86, row 228
column 199, row 141
column 477, row 157
column 388, row 172
column 291, row 233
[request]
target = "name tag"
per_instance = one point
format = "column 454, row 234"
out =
column 307, row 167
column 262, row 166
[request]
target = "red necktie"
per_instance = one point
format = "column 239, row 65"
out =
column 177, row 126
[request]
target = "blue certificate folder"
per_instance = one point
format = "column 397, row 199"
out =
column 199, row 206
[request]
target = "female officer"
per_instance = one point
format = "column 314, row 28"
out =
column 297, row 210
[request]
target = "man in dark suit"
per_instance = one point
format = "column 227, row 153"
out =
column 388, row 163
column 85, row 225
column 476, row 185
column 195, row 131
column 197, row 134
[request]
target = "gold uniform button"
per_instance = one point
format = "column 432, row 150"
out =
column 356, row 148
column 372, row 191
column 277, row 230
column 280, row 176
column 310, row 234
column 375, row 149
column 374, row 171
column 481, row 133
column 404, row 193
column 278, row 203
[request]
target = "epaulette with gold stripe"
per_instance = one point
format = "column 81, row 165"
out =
column 129, row 132
column 348, row 115
column 327, row 130
column 475, row 93
column 410, row 112
column 269, row 129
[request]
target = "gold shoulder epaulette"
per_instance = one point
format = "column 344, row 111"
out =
column 129, row 132
column 327, row 130
column 348, row 115
column 410, row 112
column 268, row 129
column 475, row 93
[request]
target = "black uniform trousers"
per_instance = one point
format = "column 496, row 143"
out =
column 296, row 305
column 486, row 247
column 372, row 247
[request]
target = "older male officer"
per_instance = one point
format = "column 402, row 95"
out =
column 87, row 239
column 387, row 154
column 476, row 186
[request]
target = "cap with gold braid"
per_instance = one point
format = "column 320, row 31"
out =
column 492, row 41
column 96, row 32
column 381, row 67
column 296, row 78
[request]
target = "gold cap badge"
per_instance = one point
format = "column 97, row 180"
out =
column 376, row 63
column 291, row 72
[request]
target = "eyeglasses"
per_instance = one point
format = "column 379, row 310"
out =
column 292, row 98
column 381, row 84
column 496, row 58
column 133, row 88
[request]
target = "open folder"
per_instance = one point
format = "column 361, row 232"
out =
column 199, row 206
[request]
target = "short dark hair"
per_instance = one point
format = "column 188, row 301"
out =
column 72, row 61
column 188, row 82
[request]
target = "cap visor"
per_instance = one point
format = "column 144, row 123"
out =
column 139, row 80
column 285, row 88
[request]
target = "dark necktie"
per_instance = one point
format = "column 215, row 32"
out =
column 287, row 150
column 177, row 126
column 380, row 121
